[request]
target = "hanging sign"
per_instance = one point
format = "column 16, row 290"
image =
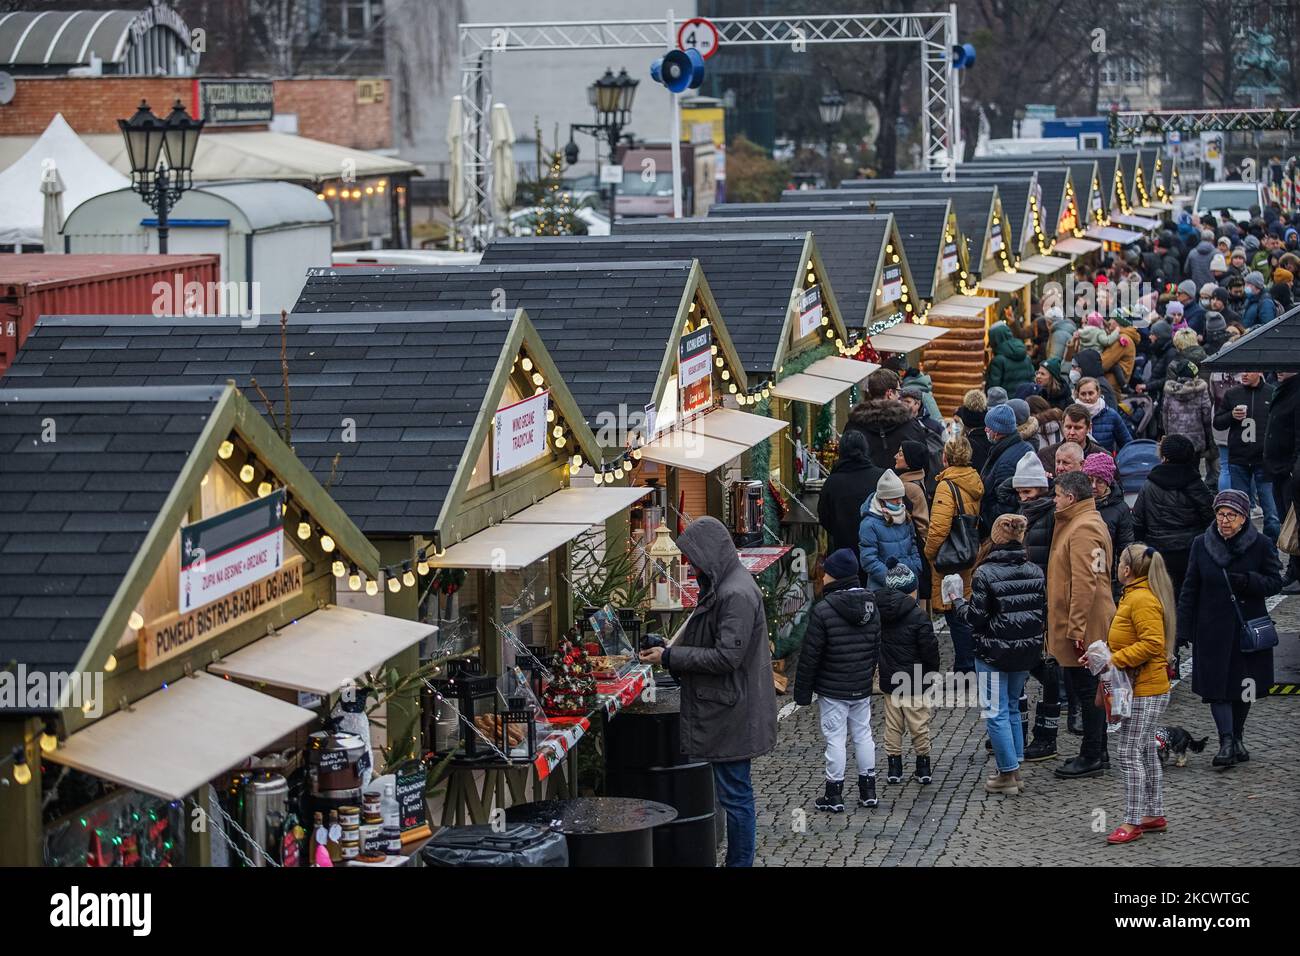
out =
column 182, row 631
column 810, row 311
column 995, row 243
column 1096, row 197
column 950, row 260
column 695, row 370
column 222, row 554
column 891, row 285
column 519, row 433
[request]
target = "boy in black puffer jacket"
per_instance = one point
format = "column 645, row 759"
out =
column 838, row 662
column 909, row 653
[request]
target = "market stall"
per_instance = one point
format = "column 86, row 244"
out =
column 445, row 433
column 181, row 589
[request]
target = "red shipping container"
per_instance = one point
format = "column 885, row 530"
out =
column 107, row 284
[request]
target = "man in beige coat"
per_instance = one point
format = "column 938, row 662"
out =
column 1079, row 608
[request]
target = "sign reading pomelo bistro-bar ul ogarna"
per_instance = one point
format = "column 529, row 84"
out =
column 232, row 567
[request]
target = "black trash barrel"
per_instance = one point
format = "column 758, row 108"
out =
column 644, row 759
column 600, row 831
column 517, row 845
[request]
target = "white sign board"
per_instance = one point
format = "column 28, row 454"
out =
column 995, row 243
column 810, row 311
column 519, row 433
column 611, row 175
column 891, row 284
column 231, row 550
column 950, row 261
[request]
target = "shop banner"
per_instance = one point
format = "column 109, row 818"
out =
column 995, row 243
column 891, row 286
column 950, row 261
column 222, row 554
column 695, row 370
column 810, row 311
column 1096, row 198
column 181, row 632
column 236, row 102
column 519, row 433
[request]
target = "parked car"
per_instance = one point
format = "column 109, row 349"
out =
column 1236, row 197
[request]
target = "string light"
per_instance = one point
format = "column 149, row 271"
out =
column 22, row 772
column 264, row 488
column 135, row 621
column 354, row 580
column 110, row 665
column 247, row 472
column 372, row 587
column 609, row 477
column 50, row 737
column 225, row 449
column 575, row 462
column 408, row 576
column 338, row 568
column 394, row 584
column 526, row 363
column 326, row 542
column 304, row 530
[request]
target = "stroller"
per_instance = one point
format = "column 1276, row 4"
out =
column 1139, row 414
column 1132, row 465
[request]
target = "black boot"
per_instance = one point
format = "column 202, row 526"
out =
column 922, row 773
column 867, row 789
column 895, row 772
column 1239, row 749
column 1046, row 717
column 1227, row 755
column 1080, row 766
column 833, row 800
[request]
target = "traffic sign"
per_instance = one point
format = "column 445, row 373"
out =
column 700, row 34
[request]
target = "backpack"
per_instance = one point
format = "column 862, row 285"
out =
column 934, row 459
column 1134, row 462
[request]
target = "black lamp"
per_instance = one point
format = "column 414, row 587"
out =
column 161, row 154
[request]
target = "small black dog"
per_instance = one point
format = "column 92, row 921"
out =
column 1177, row 741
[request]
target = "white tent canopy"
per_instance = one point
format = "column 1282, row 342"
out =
column 56, row 152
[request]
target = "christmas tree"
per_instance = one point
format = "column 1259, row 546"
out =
column 554, row 215
column 572, row 689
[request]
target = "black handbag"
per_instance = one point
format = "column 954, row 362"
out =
column 958, row 551
column 1257, row 634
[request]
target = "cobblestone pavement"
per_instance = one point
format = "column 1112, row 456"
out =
column 1246, row 815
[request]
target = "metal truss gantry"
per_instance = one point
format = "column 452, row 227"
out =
column 1127, row 125
column 935, row 32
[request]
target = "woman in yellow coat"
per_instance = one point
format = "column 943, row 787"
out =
column 957, row 473
column 1141, row 640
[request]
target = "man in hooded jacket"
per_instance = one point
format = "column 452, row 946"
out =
column 1197, row 265
column 724, row 664
column 886, row 421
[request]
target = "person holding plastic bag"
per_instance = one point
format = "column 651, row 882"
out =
column 1142, row 642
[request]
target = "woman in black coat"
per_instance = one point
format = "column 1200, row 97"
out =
column 1173, row 506
column 851, row 482
column 1230, row 563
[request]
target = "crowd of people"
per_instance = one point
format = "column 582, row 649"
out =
column 1052, row 553
column 1078, row 521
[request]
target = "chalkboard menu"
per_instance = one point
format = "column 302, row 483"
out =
column 411, row 809
column 330, row 761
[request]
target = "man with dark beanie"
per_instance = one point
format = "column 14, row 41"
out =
column 838, row 663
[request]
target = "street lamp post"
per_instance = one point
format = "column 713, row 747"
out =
column 161, row 154
column 611, row 97
column 831, row 107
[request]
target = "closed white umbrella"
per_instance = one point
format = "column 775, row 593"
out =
column 504, row 173
column 456, row 149
column 52, row 224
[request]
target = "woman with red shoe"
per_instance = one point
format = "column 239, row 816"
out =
column 1142, row 640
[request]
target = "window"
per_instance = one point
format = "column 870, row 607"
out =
column 359, row 17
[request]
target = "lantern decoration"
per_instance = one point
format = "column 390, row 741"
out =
column 667, row 572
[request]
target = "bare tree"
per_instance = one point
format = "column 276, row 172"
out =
column 282, row 30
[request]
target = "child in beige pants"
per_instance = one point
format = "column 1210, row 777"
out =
column 908, row 652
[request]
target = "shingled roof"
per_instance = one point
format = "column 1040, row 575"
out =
column 1274, row 346
column 973, row 204
column 751, row 275
column 607, row 325
column 849, row 245
column 84, row 474
column 412, row 385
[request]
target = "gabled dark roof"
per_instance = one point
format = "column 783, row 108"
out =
column 1274, row 346
column 606, row 324
column 751, row 275
column 920, row 225
column 972, row 203
column 412, row 385
column 849, row 246
column 84, row 474
column 1013, row 190
column 1051, row 179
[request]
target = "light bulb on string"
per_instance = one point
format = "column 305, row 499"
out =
column 372, row 587
column 264, row 488
column 354, row 581
column 22, row 772
column 225, row 449
column 247, row 472
column 135, row 621
column 304, row 530
column 338, row 569
column 50, row 737
column 576, row 462
column 326, row 542
column 527, row 364
column 110, row 665
column 408, row 576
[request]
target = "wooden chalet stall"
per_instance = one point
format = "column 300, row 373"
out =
column 174, row 569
